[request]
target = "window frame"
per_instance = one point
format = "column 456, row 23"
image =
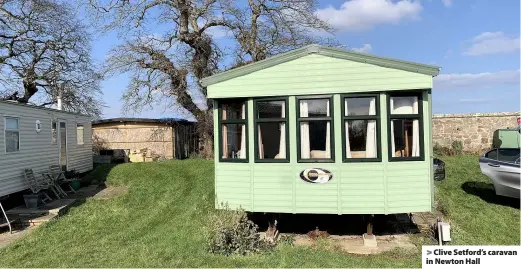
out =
column 221, row 122
column 5, row 135
column 419, row 117
column 331, row 119
column 485, row 155
column 78, row 124
column 257, row 120
column 497, row 156
column 376, row 117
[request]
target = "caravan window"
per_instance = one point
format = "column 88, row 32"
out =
column 12, row 135
column 361, row 134
column 54, row 137
column 79, row 133
column 271, row 131
column 233, row 131
column 315, row 129
column 405, row 127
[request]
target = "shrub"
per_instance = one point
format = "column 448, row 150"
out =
column 455, row 149
column 231, row 232
column 196, row 155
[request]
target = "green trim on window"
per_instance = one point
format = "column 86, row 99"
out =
column 419, row 117
column 331, row 124
column 256, row 120
column 364, row 117
column 220, row 123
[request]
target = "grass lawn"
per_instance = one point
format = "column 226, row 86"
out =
column 478, row 215
column 158, row 223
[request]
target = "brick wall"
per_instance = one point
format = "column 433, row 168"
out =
column 475, row 131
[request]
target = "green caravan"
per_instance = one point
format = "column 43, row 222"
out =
column 323, row 130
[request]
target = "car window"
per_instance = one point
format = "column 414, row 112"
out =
column 491, row 154
column 508, row 155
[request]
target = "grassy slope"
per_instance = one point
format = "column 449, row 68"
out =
column 159, row 224
column 478, row 216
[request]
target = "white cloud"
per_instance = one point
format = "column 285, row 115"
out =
column 366, row 14
column 366, row 48
column 214, row 31
column 492, row 43
column 447, row 3
column 217, row 32
column 478, row 80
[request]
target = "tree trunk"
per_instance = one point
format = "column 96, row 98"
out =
column 206, row 143
column 205, row 133
column 30, row 89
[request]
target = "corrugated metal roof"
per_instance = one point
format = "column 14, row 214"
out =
column 140, row 120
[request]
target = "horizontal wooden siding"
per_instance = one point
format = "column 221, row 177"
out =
column 318, row 74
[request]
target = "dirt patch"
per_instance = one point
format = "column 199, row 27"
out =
column 110, row 192
column 315, row 234
column 355, row 244
column 7, row 238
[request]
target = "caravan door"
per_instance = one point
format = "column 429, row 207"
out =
column 62, row 138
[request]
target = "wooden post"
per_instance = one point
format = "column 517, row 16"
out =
column 370, row 225
column 368, row 237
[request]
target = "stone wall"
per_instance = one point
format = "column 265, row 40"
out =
column 475, row 131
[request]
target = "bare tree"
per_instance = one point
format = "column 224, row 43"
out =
column 172, row 63
column 264, row 28
column 45, row 54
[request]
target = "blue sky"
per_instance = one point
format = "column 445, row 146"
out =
column 475, row 42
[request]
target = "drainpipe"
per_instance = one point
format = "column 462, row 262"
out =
column 59, row 101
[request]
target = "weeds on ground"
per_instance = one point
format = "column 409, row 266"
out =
column 231, row 232
column 287, row 239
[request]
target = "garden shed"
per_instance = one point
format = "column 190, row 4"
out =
column 168, row 138
column 324, row 130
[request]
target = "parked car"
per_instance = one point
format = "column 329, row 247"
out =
column 502, row 166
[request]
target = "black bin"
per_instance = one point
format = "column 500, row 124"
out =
column 33, row 200
column 439, row 169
